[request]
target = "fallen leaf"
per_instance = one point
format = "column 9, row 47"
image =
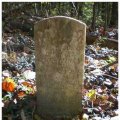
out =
column 28, row 74
column 12, row 57
column 8, row 84
column 21, row 94
column 91, row 94
column 27, row 84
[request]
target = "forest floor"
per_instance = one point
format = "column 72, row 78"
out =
column 100, row 91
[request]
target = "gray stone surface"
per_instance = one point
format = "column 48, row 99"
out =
column 60, row 49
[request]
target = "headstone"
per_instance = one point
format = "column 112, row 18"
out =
column 60, row 49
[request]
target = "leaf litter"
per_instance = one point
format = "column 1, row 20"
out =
column 100, row 91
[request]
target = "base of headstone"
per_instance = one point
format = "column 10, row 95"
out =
column 38, row 116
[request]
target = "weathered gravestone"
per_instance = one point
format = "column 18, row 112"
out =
column 60, row 49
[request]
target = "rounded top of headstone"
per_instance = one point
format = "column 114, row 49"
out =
column 62, row 17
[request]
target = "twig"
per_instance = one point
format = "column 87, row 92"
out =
column 110, row 76
column 113, row 40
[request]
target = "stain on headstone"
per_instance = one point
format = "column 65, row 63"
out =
column 60, row 49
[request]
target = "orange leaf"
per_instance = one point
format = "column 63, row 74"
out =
column 86, row 61
column 8, row 86
column 21, row 94
column 27, row 84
